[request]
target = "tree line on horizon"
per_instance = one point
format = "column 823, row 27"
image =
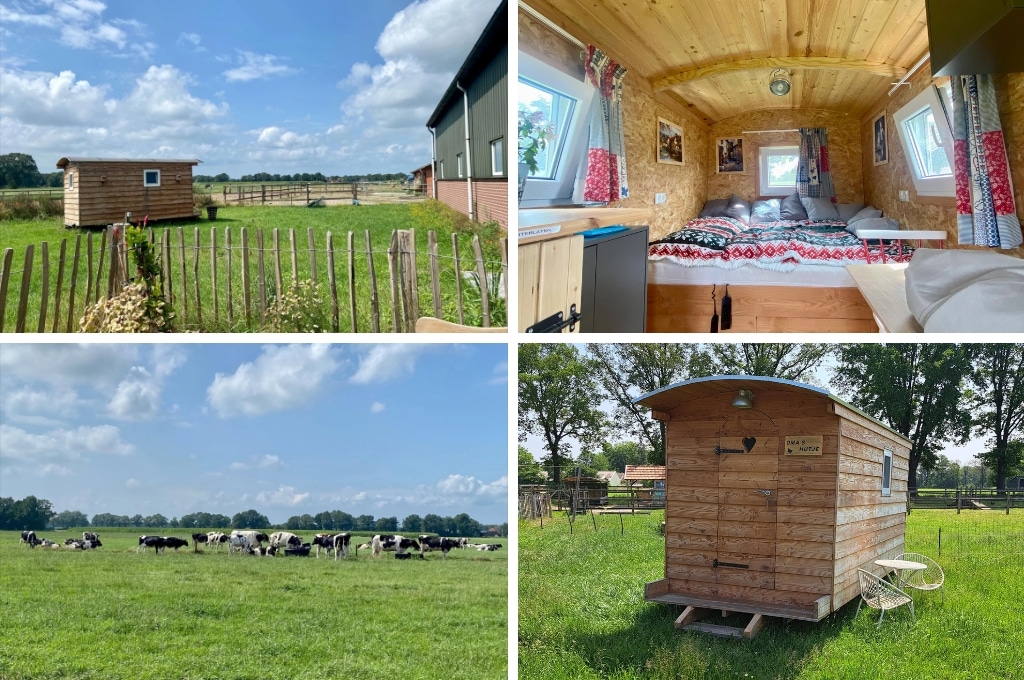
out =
column 934, row 394
column 38, row 514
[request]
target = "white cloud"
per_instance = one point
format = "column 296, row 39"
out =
column 284, row 495
column 90, row 364
column 280, row 379
column 58, row 401
column 193, row 39
column 62, row 444
column 460, row 485
column 80, row 25
column 500, row 376
column 54, row 470
column 377, row 407
column 255, row 66
column 133, row 483
column 236, row 466
column 386, row 362
column 268, row 461
column 137, row 396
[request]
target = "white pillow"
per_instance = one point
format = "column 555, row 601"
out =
column 865, row 213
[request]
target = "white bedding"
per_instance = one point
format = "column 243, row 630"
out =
column 805, row 275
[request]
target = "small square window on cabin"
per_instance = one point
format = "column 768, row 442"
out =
column 150, row 178
column 887, row 472
column 498, row 157
column 777, row 168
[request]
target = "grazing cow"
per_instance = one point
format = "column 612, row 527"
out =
column 284, row 539
column 391, row 543
column 174, row 542
column 216, row 538
column 200, row 538
column 239, row 543
column 157, row 543
column 325, row 541
column 90, row 536
column 341, row 543
column 30, row 538
column 254, row 537
column 429, row 543
column 299, row 551
column 403, row 556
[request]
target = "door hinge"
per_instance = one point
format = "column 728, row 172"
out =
column 556, row 322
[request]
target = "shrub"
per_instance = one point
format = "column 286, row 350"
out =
column 299, row 309
column 201, row 199
column 28, row 207
column 148, row 273
column 132, row 311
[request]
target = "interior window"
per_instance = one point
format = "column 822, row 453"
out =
column 927, row 141
column 560, row 105
column 777, row 169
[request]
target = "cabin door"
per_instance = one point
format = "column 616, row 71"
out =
column 748, row 466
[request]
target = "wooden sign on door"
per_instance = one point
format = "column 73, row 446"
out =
column 804, row 446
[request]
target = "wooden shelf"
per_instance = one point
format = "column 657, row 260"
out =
column 546, row 223
column 884, row 288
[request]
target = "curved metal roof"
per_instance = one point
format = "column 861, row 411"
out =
column 65, row 161
column 667, row 398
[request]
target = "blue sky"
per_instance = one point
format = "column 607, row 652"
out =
column 384, row 430
column 335, row 87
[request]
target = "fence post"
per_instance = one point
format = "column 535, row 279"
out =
column 374, row 302
column 458, row 277
column 88, row 273
column 332, row 282
column 263, row 193
column 26, row 283
column 261, row 275
column 312, row 254
column 227, row 276
column 166, row 272
column 352, row 281
column 60, row 286
column 481, row 272
column 99, row 265
column 958, row 500
column 246, row 298
column 195, row 276
column 435, row 280
column 277, row 263
column 295, row 258
column 45, row 251
column 184, row 274
column 407, row 274
column 74, row 282
column 5, row 279
column 213, row 272
column 393, row 275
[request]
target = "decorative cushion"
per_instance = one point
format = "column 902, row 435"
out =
column 715, row 208
column 819, row 208
column 739, row 208
column 792, row 208
column 765, row 211
column 865, row 213
column 874, row 223
column 848, row 210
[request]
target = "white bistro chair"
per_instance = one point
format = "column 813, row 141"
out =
column 930, row 578
column 878, row 593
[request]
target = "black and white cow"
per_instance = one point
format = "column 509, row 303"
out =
column 90, row 536
column 325, row 541
column 238, row 543
column 284, row 539
column 392, row 543
column 76, row 544
column 157, row 543
column 263, row 552
column 216, row 539
column 200, row 538
column 429, row 543
column 30, row 538
column 255, row 538
column 339, row 543
column 47, row 543
column 174, row 542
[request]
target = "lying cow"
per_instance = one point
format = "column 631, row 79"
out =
column 391, row 543
column 47, row 543
column 76, row 544
column 90, row 536
column 284, row 539
column 263, row 552
column 429, row 543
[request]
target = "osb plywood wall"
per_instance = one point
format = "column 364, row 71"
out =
column 882, row 183
column 844, row 142
column 684, row 185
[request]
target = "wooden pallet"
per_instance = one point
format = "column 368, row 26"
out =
column 691, row 616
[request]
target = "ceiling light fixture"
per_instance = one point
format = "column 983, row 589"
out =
column 745, row 399
column 779, row 82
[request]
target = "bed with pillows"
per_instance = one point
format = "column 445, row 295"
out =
column 783, row 260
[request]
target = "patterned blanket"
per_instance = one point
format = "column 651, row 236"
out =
column 724, row 242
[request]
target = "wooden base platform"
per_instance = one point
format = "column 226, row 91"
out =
column 690, row 620
column 759, row 309
column 657, row 591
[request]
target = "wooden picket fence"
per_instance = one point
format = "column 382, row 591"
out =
column 231, row 287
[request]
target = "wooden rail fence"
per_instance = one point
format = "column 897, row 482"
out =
column 307, row 192
column 241, row 279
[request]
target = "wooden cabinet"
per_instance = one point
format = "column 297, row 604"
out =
column 614, row 285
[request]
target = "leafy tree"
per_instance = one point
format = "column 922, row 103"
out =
column 591, row 463
column 18, row 170
column 156, row 520
column 175, row 523
column 324, row 521
column 106, row 519
column 342, row 520
column 413, row 524
column 916, row 389
column 28, row 513
column 944, row 474
column 559, row 399
column 464, row 525
column 363, row 523
column 70, row 518
column 774, row 360
column 998, row 404
column 222, row 177
column 627, row 371
column 621, row 454
column 250, row 519
column 529, row 468
column 433, row 524
column 386, row 524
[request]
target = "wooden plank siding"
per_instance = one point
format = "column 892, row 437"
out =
column 824, row 518
column 104, row 191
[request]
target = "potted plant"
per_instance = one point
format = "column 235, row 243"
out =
column 534, row 131
column 205, row 200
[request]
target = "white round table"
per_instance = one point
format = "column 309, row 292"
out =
column 900, row 567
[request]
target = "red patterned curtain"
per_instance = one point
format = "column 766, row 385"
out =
column 606, row 155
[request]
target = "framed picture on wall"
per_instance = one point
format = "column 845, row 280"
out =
column 881, row 141
column 729, row 151
column 670, row 143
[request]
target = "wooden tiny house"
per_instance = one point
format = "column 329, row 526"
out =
column 99, row 191
column 772, row 508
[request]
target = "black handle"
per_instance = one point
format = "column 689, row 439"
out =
column 717, row 564
column 719, row 450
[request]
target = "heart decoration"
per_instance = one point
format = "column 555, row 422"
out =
column 748, row 443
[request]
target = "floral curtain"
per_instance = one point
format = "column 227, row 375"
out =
column 606, row 155
column 813, row 176
column 985, row 211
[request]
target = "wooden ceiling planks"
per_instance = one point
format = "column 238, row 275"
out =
column 671, row 37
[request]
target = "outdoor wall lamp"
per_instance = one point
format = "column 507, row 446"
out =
column 745, row 399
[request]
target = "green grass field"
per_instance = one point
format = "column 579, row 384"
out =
column 582, row 612
column 111, row 613
column 379, row 220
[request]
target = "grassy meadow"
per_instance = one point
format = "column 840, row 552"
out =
column 379, row 220
column 110, row 613
column 582, row 612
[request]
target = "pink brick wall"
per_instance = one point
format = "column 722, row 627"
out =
column 491, row 199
